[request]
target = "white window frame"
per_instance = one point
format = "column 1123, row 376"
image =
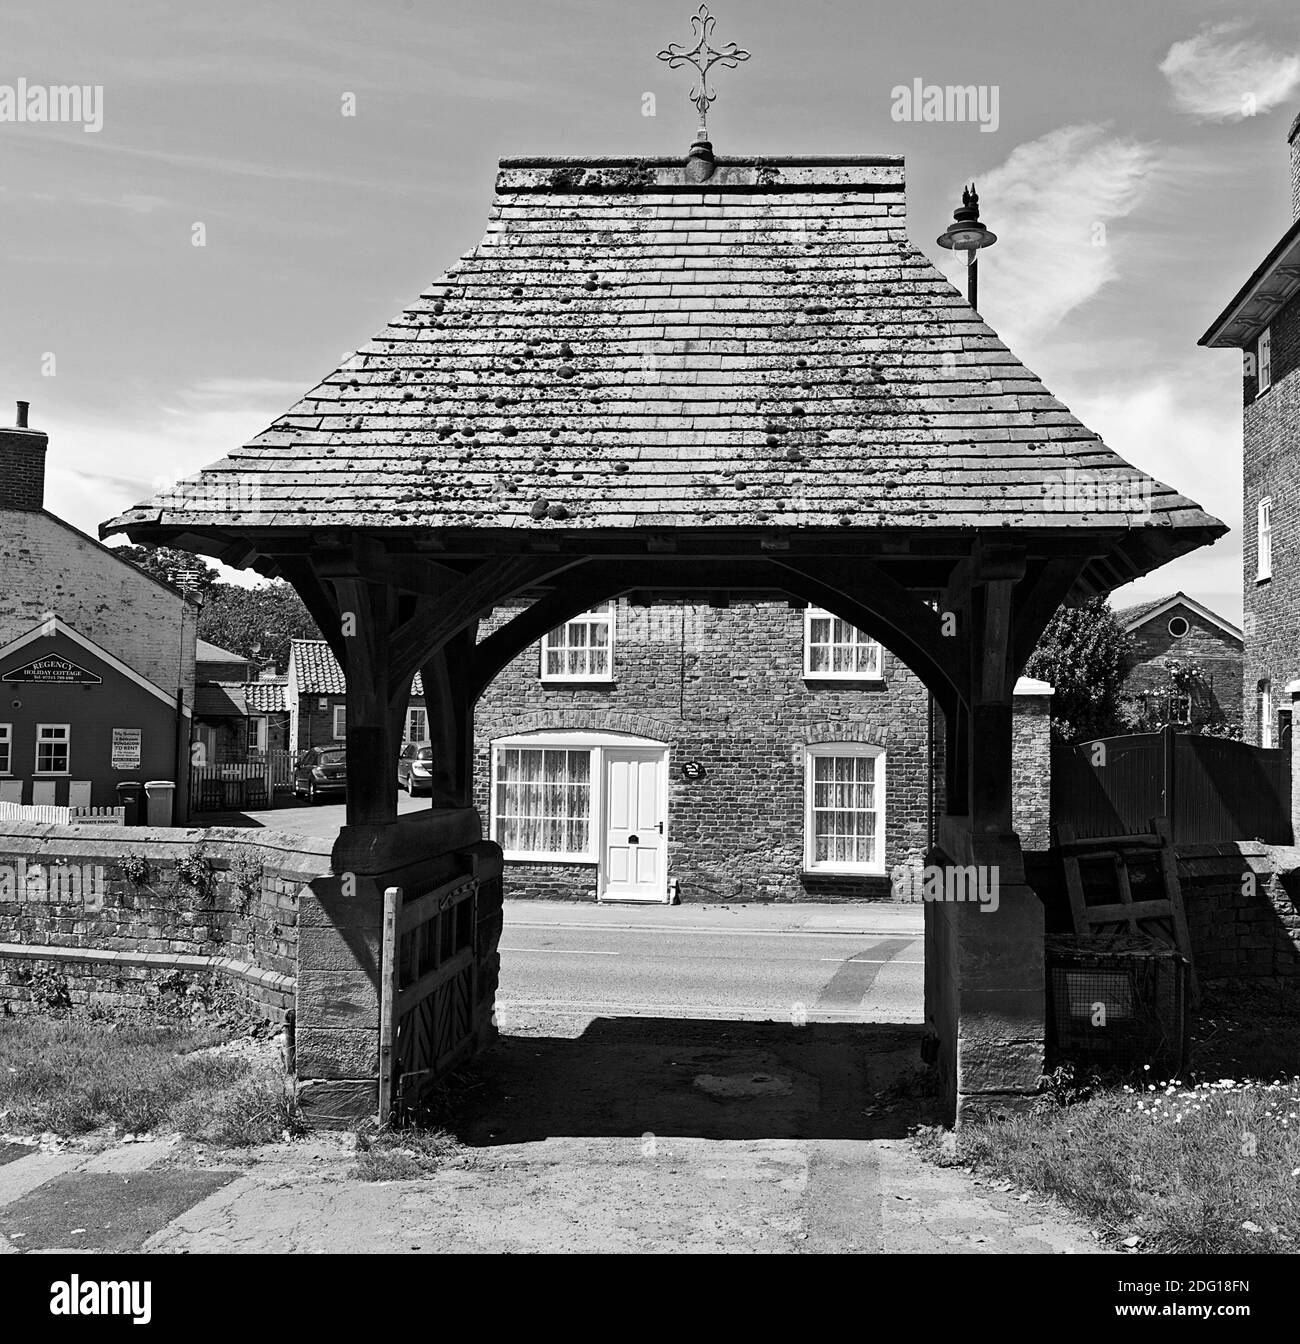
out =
column 1264, row 709
column 66, row 740
column 256, row 740
column 1264, row 540
column 594, row 801
column 859, row 640
column 572, row 739
column 340, row 736
column 602, row 614
column 411, row 711
column 7, row 746
column 1264, row 360
column 834, row 749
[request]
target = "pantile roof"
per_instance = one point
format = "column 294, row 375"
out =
column 318, row 672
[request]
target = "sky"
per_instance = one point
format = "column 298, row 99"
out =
column 1136, row 173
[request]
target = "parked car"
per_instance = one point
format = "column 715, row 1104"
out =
column 321, row 771
column 415, row 769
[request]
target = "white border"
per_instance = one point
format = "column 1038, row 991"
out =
column 37, row 772
column 814, row 613
column 811, row 752
column 600, row 678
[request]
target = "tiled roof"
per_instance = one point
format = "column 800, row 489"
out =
column 210, row 653
column 318, row 671
column 625, row 349
column 1131, row 617
column 220, row 700
column 266, row 697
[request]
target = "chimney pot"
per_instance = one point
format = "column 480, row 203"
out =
column 22, row 414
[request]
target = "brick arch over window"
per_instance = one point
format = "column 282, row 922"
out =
column 585, row 720
column 842, row 730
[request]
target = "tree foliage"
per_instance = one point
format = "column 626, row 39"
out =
column 256, row 622
column 1085, row 654
column 181, row 569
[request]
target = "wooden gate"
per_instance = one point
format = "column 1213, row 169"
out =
column 426, row 1022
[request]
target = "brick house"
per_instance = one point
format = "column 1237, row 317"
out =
column 1177, row 629
column 315, row 698
column 96, row 656
column 1263, row 321
column 723, row 735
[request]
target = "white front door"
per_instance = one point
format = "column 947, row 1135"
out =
column 633, row 866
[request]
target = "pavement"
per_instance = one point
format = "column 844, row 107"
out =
column 656, row 1088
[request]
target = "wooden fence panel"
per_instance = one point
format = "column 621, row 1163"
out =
column 1209, row 789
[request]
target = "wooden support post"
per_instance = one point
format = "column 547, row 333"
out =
column 365, row 617
column 449, row 702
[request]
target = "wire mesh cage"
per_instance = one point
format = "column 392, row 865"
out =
column 1117, row 1004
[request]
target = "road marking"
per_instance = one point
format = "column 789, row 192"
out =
column 564, row 951
column 873, row 961
column 729, row 933
column 679, row 1012
column 678, row 957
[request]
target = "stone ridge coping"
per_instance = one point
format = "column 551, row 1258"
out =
column 633, row 177
column 159, row 842
column 238, row 970
column 671, row 161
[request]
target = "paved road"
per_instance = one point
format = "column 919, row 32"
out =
column 732, row 962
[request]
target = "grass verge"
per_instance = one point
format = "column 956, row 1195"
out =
column 70, row 1075
column 1209, row 1164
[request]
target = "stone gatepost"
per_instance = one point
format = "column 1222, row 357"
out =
column 340, row 921
column 985, row 983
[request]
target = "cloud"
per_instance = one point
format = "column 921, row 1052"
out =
column 1052, row 202
column 1182, row 429
column 1216, row 77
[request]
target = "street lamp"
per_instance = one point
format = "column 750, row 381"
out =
column 967, row 234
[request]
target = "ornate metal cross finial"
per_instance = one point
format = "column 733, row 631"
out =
column 702, row 56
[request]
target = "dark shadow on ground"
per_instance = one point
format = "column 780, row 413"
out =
column 631, row 1076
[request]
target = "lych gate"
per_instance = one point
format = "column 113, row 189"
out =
column 733, row 374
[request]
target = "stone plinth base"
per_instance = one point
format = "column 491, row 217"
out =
column 985, row 985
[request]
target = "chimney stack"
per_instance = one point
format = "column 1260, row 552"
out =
column 22, row 465
column 1293, row 139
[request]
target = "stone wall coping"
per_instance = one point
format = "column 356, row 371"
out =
column 239, row 970
column 160, row 843
column 1028, row 686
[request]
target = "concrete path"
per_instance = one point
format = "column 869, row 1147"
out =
column 624, row 1136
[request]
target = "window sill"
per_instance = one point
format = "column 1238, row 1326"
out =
column 844, row 872
column 832, row 679
column 608, row 683
column 572, row 860
column 1262, row 579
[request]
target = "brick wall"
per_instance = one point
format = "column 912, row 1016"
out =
column 1293, row 139
column 1271, row 456
column 725, row 688
column 50, row 566
column 22, row 468
column 123, row 943
column 1215, row 653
